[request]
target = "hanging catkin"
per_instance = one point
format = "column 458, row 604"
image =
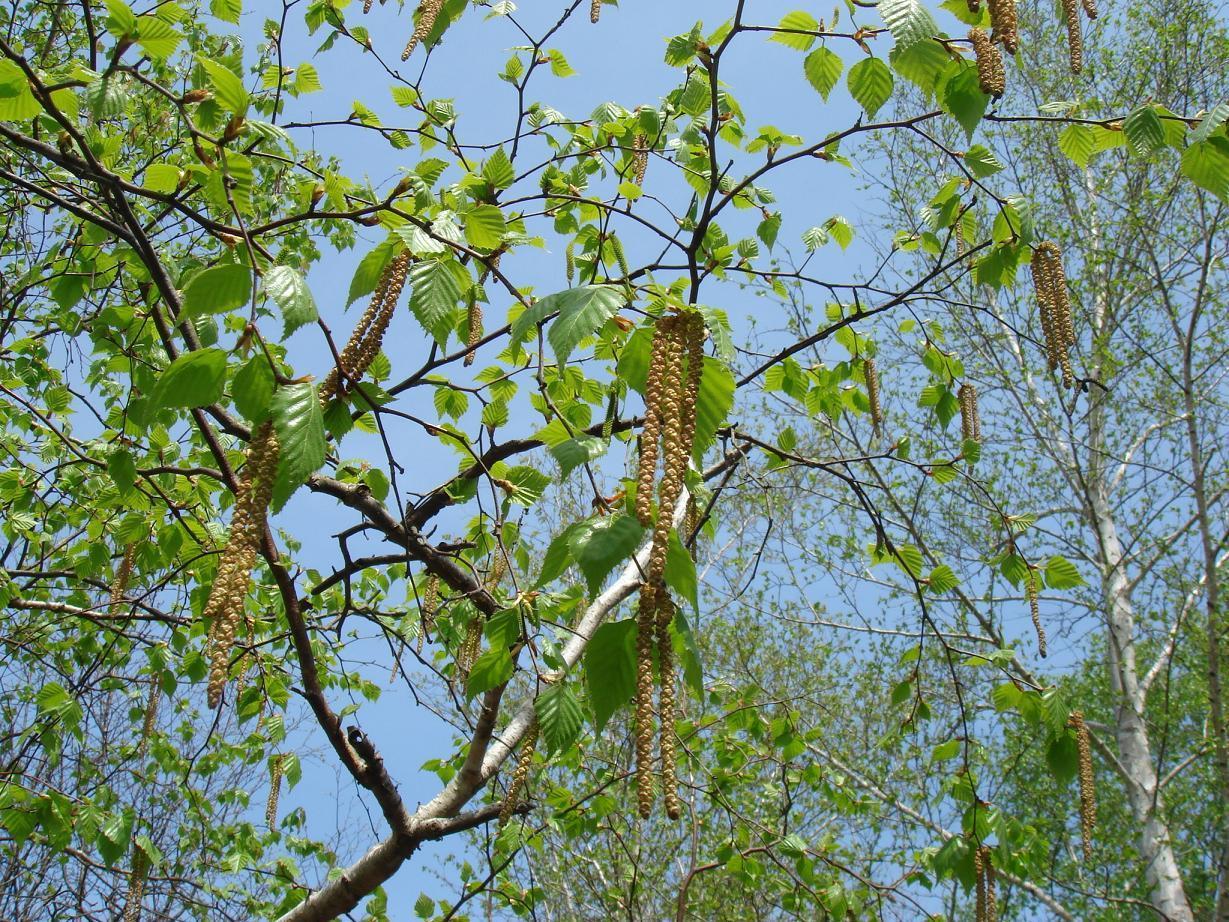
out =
column 137, row 876
column 230, row 585
column 991, row 73
column 986, row 909
column 1088, row 793
column 473, row 321
column 151, row 714
column 640, row 159
column 595, row 11
column 1054, row 301
column 428, row 12
column 1005, row 24
column 520, row 775
column 970, row 420
column 1034, row 608
column 364, row 344
column 1090, row 8
column 123, row 572
column 1075, row 40
column 871, row 373
column 275, row 790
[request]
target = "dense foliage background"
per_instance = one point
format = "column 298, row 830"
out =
column 327, row 339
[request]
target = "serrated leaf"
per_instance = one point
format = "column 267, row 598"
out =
column 598, row 545
column 823, row 69
column 582, row 312
column 252, row 389
column 1206, row 164
column 228, row 89
column 559, row 716
column 981, row 161
column 681, row 570
column 908, row 20
column 498, row 170
column 299, row 423
column 435, row 292
column 217, row 290
column 610, row 669
column 1215, row 117
column 1079, row 144
column 289, row 291
column 963, row 99
column 577, row 451
column 162, row 177
column 1060, row 573
column 484, row 227
column 195, row 379
column 367, row 275
column 870, row 83
column 799, row 23
column 490, row 670
column 1144, row 131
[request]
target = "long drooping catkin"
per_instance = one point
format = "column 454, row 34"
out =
column 473, row 322
column 123, row 572
column 1075, row 40
column 520, row 775
column 640, row 159
column 151, row 714
column 1034, row 608
column 428, row 12
column 652, row 432
column 471, row 645
column 646, row 624
column 970, row 420
column 137, row 876
column 1088, row 793
column 991, row 73
column 1005, row 24
column 275, row 790
column 230, row 585
column 364, row 343
column 1054, row 301
column 1090, row 8
column 871, row 373
column 986, row 909
column 665, row 707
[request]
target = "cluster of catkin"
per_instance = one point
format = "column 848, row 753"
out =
column 986, row 909
column 676, row 364
column 970, row 418
column 991, row 73
column 520, row 776
column 1054, row 303
column 137, row 876
column 224, row 607
column 1088, row 792
column 364, row 343
column 428, row 12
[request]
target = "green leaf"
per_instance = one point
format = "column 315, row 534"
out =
column 1144, row 131
column 823, row 69
column 252, row 389
column 713, row 403
column 1063, row 757
column 228, row 89
column 963, row 98
column 1206, row 164
column 559, row 716
column 797, row 20
column 688, row 653
column 681, row 570
column 870, row 83
column 558, row 557
column 577, row 451
column 942, row 579
column 1216, row 117
column 1060, row 573
column 123, row 469
column 598, row 545
column 908, row 20
column 162, row 177
column 156, row 37
column 299, row 423
column 1078, row 142
column 217, row 290
column 289, row 291
column 982, row 162
column 434, row 296
column 582, row 312
column 227, row 10
column 490, row 670
column 498, row 170
column 371, row 267
column 610, row 669
column 484, row 227
column 17, row 102
column 945, row 751
column 195, row 379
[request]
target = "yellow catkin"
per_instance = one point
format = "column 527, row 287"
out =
column 991, row 73
column 428, row 605
column 970, row 420
column 520, row 776
column 364, row 344
column 1005, row 23
column 137, row 876
column 616, row 247
column 871, row 373
column 1054, row 300
column 1031, row 590
column 224, row 608
column 151, row 715
column 473, row 321
column 612, row 411
column 471, row 645
column 367, row 6
column 640, row 159
column 428, row 12
column 986, row 909
column 499, row 569
column 1090, row 8
column 652, row 429
column 595, row 11
column 569, row 261
column 1075, row 40
column 275, row 790
column 123, row 572
column 665, row 707
column 1088, row 793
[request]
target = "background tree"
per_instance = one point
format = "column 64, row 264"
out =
column 168, row 367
